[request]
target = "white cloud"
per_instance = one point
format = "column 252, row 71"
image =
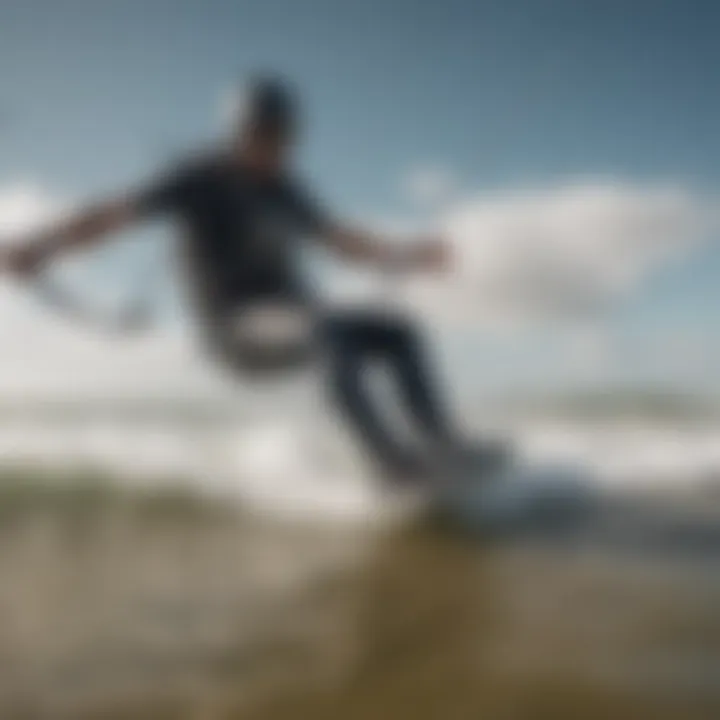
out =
column 24, row 206
column 565, row 252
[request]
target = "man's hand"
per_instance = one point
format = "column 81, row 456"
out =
column 431, row 255
column 25, row 260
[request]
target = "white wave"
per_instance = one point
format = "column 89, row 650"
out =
column 303, row 469
column 629, row 455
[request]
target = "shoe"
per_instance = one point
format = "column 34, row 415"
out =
column 490, row 456
column 407, row 471
column 479, row 461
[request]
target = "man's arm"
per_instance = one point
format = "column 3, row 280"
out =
column 83, row 229
column 421, row 253
column 100, row 220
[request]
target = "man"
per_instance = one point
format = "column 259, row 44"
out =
column 242, row 213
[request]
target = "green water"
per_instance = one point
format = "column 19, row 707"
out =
column 113, row 610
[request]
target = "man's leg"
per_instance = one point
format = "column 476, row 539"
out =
column 447, row 450
column 352, row 350
column 356, row 342
column 409, row 361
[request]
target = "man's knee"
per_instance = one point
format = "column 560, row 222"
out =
column 403, row 335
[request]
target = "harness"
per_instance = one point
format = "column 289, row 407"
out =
column 262, row 337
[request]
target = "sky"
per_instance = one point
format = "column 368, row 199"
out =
column 569, row 148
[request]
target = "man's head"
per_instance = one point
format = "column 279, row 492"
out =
column 265, row 124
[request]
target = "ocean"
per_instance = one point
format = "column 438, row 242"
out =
column 286, row 589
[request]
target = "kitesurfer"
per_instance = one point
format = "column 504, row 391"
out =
column 242, row 214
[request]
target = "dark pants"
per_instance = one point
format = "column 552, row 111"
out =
column 357, row 343
column 353, row 344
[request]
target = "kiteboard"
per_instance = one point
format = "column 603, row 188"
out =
column 270, row 475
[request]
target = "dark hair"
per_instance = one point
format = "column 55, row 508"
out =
column 267, row 103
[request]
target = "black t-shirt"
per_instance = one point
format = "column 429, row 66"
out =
column 241, row 234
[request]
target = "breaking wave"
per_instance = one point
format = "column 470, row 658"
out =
column 290, row 466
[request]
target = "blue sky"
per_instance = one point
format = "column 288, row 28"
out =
column 501, row 91
column 502, row 94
